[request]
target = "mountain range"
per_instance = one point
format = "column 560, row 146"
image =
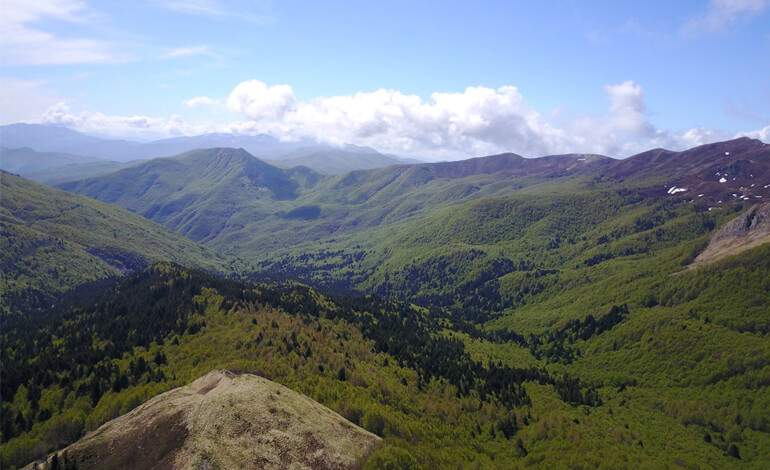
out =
column 496, row 312
column 60, row 146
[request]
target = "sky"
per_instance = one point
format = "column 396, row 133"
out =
column 438, row 80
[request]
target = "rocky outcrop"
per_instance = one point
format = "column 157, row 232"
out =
column 748, row 230
column 226, row 421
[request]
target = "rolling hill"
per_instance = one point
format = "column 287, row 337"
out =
column 53, row 241
column 369, row 230
column 543, row 312
column 203, row 194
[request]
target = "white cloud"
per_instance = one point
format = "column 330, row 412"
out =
column 723, row 13
column 202, row 101
column 141, row 127
column 22, row 44
column 700, row 136
column 257, row 101
column 628, row 108
column 478, row 121
column 761, row 134
column 190, row 51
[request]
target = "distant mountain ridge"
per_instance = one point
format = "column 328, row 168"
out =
column 337, row 161
column 717, row 173
column 54, row 167
column 26, row 160
column 321, row 157
column 231, row 199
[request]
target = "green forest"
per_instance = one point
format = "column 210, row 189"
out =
column 470, row 319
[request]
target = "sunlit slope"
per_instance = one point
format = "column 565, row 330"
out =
column 226, row 421
column 54, row 240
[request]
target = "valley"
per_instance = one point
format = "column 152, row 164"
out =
column 499, row 312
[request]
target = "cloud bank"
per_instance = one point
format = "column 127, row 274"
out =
column 477, row 121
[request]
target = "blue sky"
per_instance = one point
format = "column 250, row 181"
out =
column 436, row 79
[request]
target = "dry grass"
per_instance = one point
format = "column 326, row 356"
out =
column 226, row 421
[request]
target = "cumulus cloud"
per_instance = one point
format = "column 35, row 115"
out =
column 22, row 44
column 477, row 121
column 258, row 101
column 141, row 127
column 722, row 13
column 761, row 134
column 628, row 108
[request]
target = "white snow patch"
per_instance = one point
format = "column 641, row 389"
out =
column 581, row 159
column 722, row 180
column 727, row 153
column 674, row 190
column 700, row 195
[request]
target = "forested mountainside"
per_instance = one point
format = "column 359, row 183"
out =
column 53, row 241
column 494, row 313
column 675, row 378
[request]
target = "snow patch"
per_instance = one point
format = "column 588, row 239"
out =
column 722, row 180
column 674, row 190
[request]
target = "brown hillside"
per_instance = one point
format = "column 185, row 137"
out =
column 748, row 230
column 226, row 421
